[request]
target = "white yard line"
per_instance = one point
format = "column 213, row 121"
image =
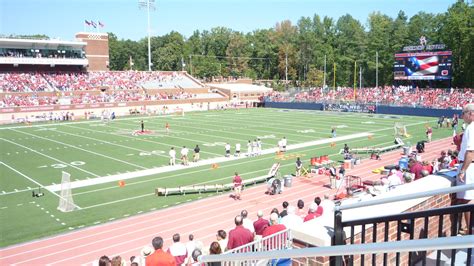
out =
column 32, row 180
column 107, row 142
column 141, row 139
column 72, row 146
column 165, row 169
column 47, row 156
column 55, row 124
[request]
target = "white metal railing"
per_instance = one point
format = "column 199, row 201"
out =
column 252, row 258
column 279, row 241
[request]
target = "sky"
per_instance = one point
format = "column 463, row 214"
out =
column 63, row 18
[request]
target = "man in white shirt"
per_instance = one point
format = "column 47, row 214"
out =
column 247, row 223
column 254, row 148
column 259, row 146
column 249, row 149
column 237, row 150
column 184, row 155
column 283, row 143
column 465, row 174
column 292, row 220
column 178, row 250
column 172, row 154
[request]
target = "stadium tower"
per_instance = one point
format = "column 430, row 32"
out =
column 96, row 50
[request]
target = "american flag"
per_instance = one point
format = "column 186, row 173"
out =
column 422, row 65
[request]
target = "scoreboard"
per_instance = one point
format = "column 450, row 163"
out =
column 423, row 66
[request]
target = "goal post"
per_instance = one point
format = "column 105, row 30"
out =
column 400, row 130
column 66, row 202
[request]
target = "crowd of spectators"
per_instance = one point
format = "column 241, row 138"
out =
column 393, row 95
column 23, row 82
column 246, row 230
column 80, row 81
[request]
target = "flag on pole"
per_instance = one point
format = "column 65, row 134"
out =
column 94, row 24
column 101, row 24
column 87, row 22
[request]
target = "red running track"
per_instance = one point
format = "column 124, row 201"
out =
column 202, row 218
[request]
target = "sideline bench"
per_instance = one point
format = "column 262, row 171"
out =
column 206, row 188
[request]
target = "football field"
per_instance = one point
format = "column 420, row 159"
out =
column 100, row 155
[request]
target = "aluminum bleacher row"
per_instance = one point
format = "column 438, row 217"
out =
column 207, row 188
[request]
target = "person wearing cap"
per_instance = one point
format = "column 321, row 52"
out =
column 159, row 257
column 260, row 224
column 312, row 212
column 393, row 179
column 465, row 175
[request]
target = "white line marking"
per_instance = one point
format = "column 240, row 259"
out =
column 47, row 156
column 72, row 146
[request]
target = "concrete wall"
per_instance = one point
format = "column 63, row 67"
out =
column 381, row 109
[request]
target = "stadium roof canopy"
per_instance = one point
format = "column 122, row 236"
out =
column 40, row 44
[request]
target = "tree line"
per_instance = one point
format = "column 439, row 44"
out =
column 298, row 52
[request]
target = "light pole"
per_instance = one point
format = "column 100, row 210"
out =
column 324, row 76
column 376, row 69
column 148, row 4
column 286, row 67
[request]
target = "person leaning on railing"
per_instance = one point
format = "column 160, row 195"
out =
column 465, row 173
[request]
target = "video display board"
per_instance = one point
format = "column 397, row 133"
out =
column 423, row 66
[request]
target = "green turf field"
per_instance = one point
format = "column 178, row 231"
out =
column 36, row 155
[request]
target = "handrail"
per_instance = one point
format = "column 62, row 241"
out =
column 443, row 243
column 405, row 197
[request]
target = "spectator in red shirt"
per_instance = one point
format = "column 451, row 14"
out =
column 260, row 224
column 312, row 212
column 275, row 227
column 415, row 168
column 239, row 236
column 237, row 186
column 457, row 139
